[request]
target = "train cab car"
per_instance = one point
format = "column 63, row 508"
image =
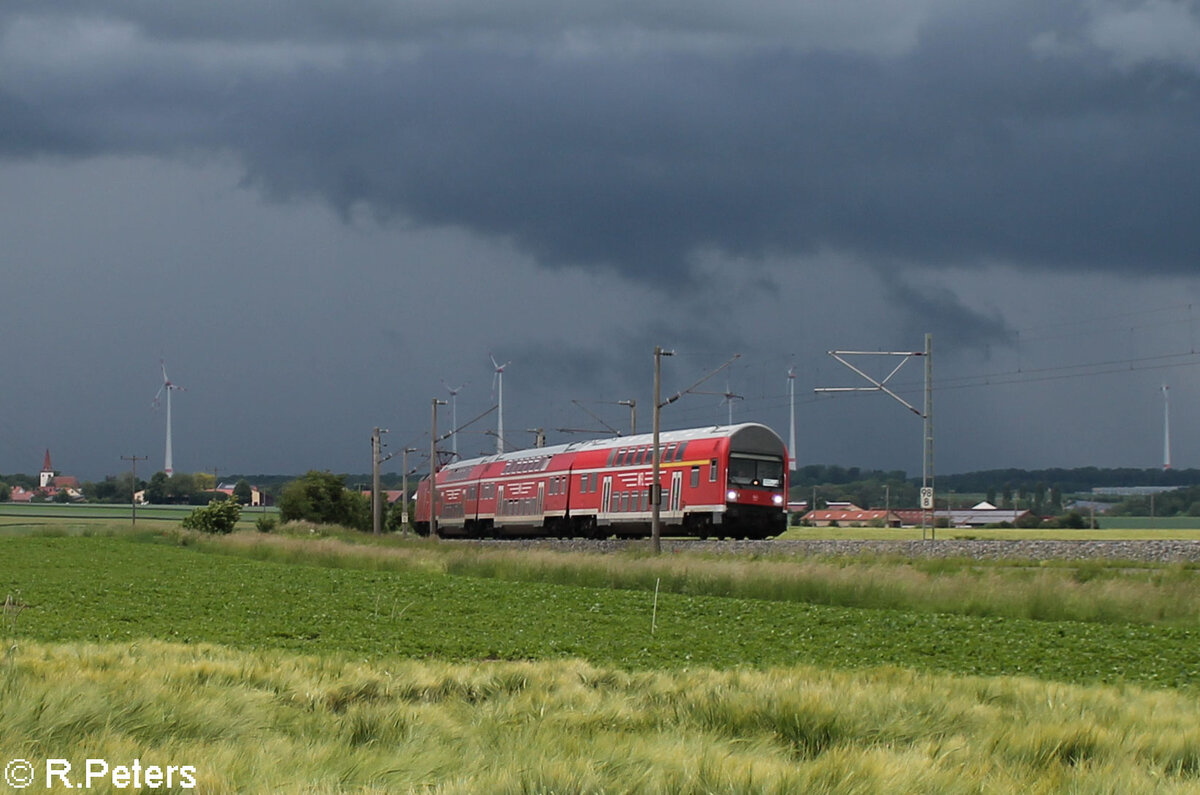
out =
column 716, row 481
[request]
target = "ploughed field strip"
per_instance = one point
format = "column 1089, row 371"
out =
column 1144, row 551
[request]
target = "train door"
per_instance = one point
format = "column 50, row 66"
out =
column 676, row 490
column 541, row 498
column 605, row 496
column 499, row 504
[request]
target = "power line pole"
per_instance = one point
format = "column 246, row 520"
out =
column 656, row 455
column 880, row 385
column 133, row 459
column 376, row 458
column 433, row 469
column 404, row 485
column 927, row 503
column 632, row 414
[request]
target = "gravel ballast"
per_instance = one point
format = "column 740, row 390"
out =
column 1143, row 551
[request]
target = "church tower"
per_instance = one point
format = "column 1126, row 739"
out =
column 47, row 475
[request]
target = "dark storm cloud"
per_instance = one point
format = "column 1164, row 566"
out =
column 994, row 134
column 941, row 312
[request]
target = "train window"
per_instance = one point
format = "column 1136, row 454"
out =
column 695, row 477
column 712, row 470
column 614, row 501
column 679, row 451
column 645, row 499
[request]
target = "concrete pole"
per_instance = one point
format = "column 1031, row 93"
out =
column 376, row 521
column 133, row 486
column 632, row 414
column 656, row 455
column 433, row 468
column 927, row 459
column 404, row 486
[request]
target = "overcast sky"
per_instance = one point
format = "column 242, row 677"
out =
column 316, row 217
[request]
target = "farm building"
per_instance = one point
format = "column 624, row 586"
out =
column 852, row 517
column 973, row 517
column 257, row 497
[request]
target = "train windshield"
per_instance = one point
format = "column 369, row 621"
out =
column 763, row 471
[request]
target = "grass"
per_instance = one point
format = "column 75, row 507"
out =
column 1091, row 590
column 268, row 721
column 103, row 589
column 100, row 518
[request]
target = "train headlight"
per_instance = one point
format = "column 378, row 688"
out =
column 777, row 499
column 731, row 495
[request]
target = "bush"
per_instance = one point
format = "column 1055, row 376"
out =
column 323, row 498
column 1029, row 521
column 216, row 517
column 266, row 524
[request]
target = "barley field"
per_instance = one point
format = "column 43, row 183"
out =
column 270, row 721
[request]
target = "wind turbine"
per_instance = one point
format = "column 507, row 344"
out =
column 1166, row 429
column 167, row 387
column 729, row 397
column 453, row 390
column 792, row 427
column 498, row 390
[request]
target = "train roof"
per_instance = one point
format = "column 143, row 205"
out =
column 751, row 437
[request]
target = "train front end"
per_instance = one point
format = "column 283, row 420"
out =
column 756, row 482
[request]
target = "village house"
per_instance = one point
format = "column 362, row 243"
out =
column 50, row 486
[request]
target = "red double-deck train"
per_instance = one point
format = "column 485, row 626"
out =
column 721, row 481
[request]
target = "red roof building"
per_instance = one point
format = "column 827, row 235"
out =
column 852, row 518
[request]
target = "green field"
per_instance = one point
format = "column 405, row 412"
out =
column 18, row 517
column 319, row 665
